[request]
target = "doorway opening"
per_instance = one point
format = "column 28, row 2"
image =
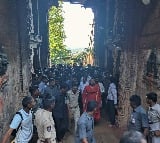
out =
column 71, row 34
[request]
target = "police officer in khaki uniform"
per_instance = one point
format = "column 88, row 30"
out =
column 73, row 96
column 45, row 123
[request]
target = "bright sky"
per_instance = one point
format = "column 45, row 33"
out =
column 77, row 26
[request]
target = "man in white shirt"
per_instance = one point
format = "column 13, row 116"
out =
column 83, row 83
column 25, row 131
column 111, row 102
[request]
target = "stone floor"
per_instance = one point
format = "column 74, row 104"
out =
column 103, row 134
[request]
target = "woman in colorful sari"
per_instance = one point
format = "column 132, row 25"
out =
column 92, row 93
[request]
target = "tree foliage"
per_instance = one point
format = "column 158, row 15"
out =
column 58, row 51
column 82, row 56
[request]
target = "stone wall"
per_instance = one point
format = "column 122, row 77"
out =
column 20, row 38
column 11, row 92
column 134, row 78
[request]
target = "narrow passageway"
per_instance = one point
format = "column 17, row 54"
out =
column 123, row 42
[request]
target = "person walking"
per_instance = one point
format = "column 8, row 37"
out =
column 22, row 121
column 51, row 88
column 60, row 113
column 85, row 126
column 111, row 103
column 153, row 117
column 82, row 85
column 138, row 120
column 38, row 103
column 43, row 84
column 92, row 93
column 73, row 96
column 45, row 123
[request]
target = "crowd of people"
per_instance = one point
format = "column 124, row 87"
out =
column 63, row 93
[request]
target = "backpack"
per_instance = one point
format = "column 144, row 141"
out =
column 14, row 132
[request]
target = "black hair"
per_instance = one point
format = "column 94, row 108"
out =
column 47, row 101
column 51, row 79
column 74, row 84
column 63, row 86
column 112, row 79
column 152, row 96
column 135, row 99
column 91, row 106
column 44, row 77
column 26, row 100
column 132, row 137
column 33, row 88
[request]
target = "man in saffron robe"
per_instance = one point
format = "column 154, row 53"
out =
column 92, row 93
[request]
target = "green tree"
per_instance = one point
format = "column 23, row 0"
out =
column 81, row 57
column 57, row 49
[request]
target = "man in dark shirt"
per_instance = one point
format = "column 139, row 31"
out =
column 60, row 113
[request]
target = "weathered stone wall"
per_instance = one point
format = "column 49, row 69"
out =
column 20, row 35
column 11, row 94
column 127, row 83
column 133, row 65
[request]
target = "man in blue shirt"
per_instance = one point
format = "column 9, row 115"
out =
column 138, row 119
column 85, row 126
